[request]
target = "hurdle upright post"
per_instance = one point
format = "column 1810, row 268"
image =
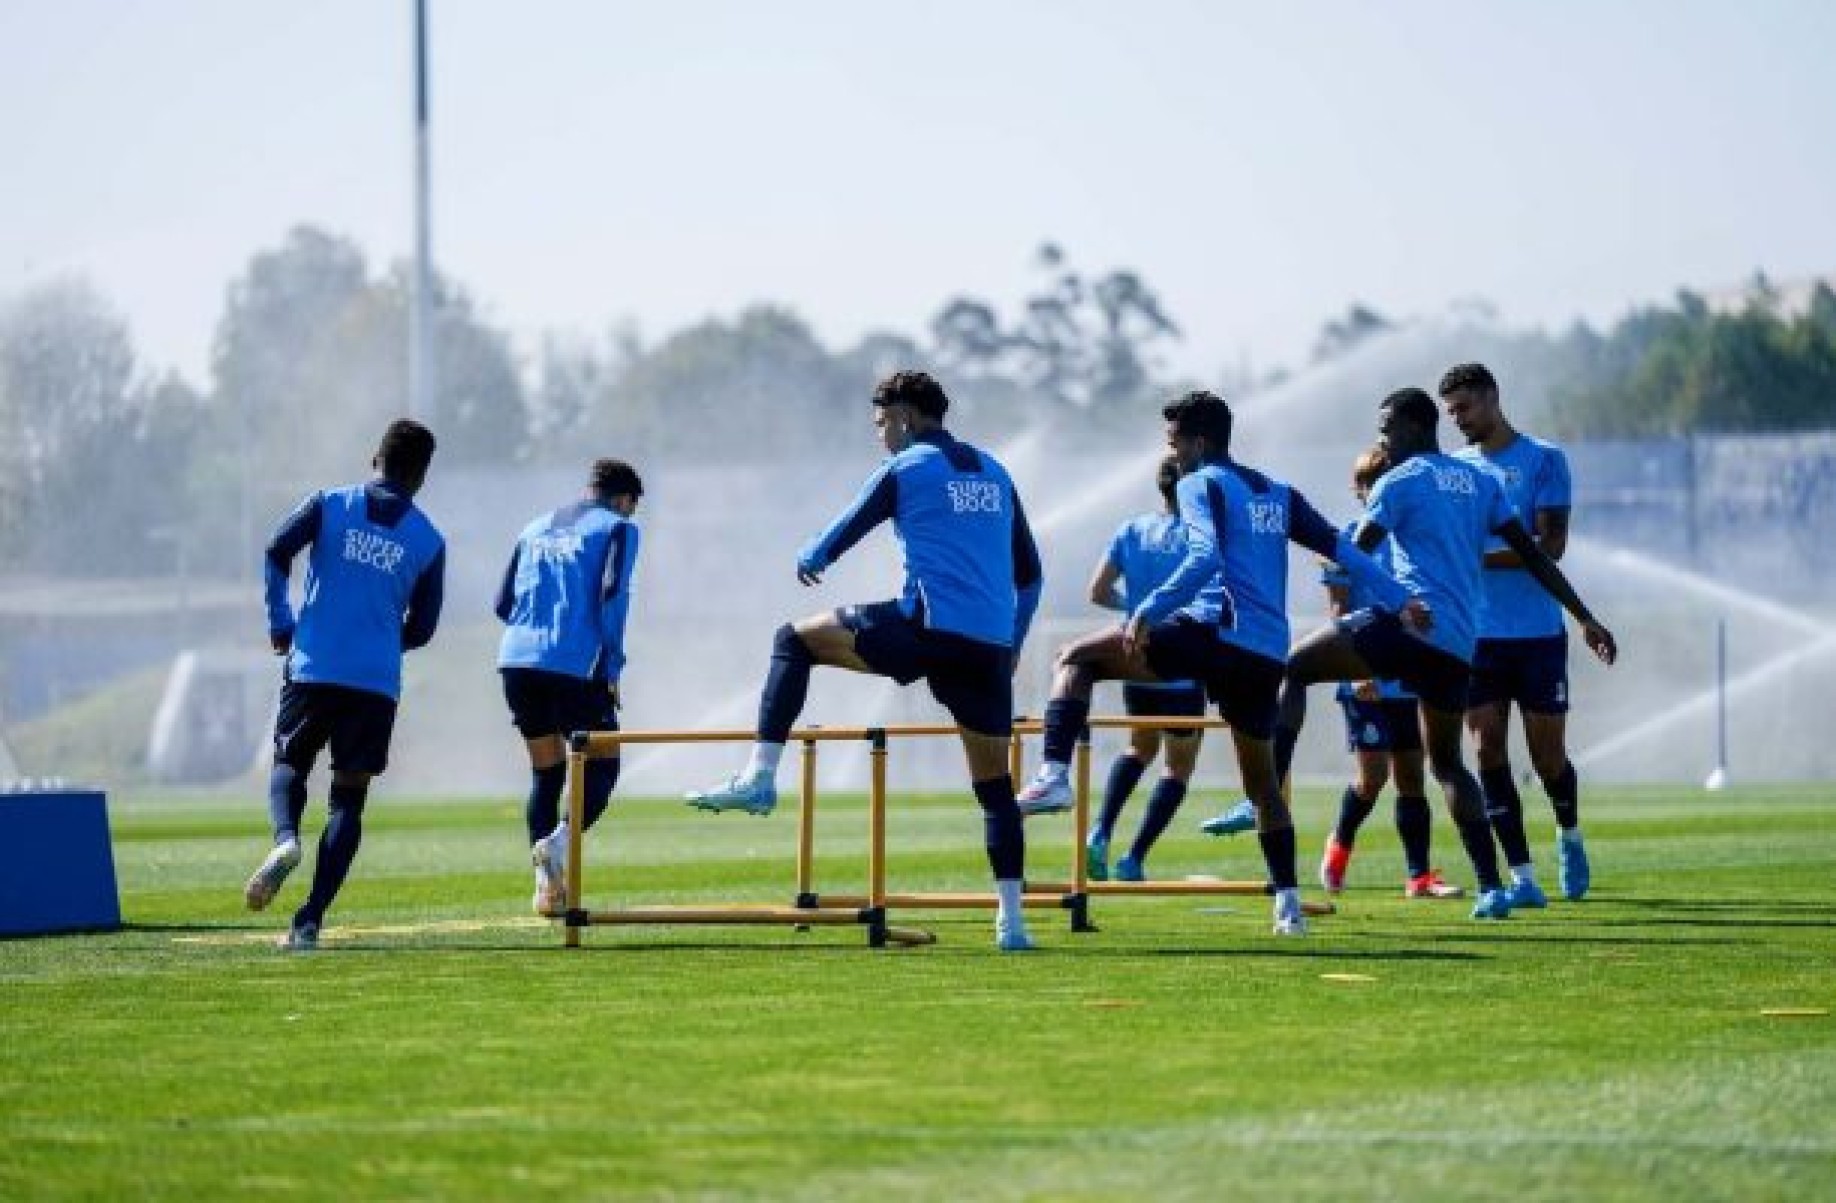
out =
column 876, row 839
column 806, row 827
column 1079, row 900
column 576, row 832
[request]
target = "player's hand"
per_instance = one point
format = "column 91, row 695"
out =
column 1135, row 638
column 1367, row 691
column 281, row 642
column 613, row 697
column 808, row 571
column 1416, row 615
column 1601, row 641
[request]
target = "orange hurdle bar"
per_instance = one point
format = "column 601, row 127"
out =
column 869, row 912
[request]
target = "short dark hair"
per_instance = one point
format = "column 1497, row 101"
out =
column 1468, row 375
column 614, row 478
column 406, row 449
column 1166, row 479
column 1201, row 413
column 916, row 389
column 1415, row 405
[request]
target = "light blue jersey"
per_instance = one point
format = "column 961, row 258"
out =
column 1535, row 479
column 1235, row 574
column 567, row 593
column 375, row 582
column 1358, row 597
column 1439, row 512
column 971, row 566
column 1144, row 553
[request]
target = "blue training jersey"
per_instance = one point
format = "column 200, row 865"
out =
column 971, row 566
column 1357, row 597
column 1235, row 574
column 1439, row 512
column 375, row 581
column 1145, row 552
column 1535, row 479
column 567, row 593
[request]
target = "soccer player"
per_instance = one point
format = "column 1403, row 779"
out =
column 972, row 583
column 1440, row 511
column 564, row 600
column 1220, row 619
column 1144, row 552
column 375, row 576
column 1382, row 732
column 1522, row 656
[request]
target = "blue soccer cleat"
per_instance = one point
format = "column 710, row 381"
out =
column 1241, row 817
column 1096, row 858
column 1493, row 904
column 300, row 937
column 1526, row 895
column 1130, row 869
column 756, row 795
column 1571, row 857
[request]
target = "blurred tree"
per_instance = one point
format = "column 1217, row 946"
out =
column 1083, row 344
column 1691, row 369
column 310, row 362
column 93, row 456
column 1342, row 334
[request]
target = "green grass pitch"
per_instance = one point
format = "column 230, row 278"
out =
column 442, row 1045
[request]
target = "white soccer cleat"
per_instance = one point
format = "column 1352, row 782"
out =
column 1012, row 937
column 1046, row 794
column 756, row 794
column 1290, row 920
column 547, row 854
column 266, row 881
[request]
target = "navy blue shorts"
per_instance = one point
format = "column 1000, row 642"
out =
column 1531, row 672
column 970, row 678
column 544, row 703
column 1386, row 725
column 356, row 723
column 1394, row 653
column 1243, row 685
column 1181, row 701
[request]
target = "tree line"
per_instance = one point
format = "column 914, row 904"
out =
column 97, row 453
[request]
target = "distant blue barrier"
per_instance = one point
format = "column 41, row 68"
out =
column 57, row 869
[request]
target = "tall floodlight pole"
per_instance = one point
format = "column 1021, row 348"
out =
column 420, row 316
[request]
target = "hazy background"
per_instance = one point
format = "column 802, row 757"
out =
column 694, row 234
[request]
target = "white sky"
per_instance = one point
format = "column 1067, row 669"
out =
column 1261, row 164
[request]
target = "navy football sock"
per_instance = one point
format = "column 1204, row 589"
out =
column 1353, row 810
column 1414, row 827
column 1278, row 855
column 338, row 845
column 1162, row 805
column 1124, row 775
column 1064, row 726
column 1565, row 797
column 1468, row 807
column 286, row 801
column 601, row 777
column 1505, row 809
column 542, row 809
column 787, row 685
column 1003, row 831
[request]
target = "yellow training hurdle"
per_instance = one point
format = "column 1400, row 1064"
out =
column 870, row 909
column 1073, row 896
